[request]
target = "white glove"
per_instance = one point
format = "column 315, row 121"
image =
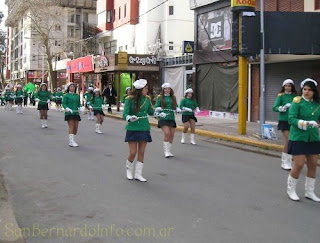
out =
column 48, row 101
column 162, row 115
column 302, row 125
column 282, row 109
column 197, row 110
column 178, row 110
column 186, row 109
column 158, row 109
column 103, row 107
column 68, row 110
column 287, row 105
column 90, row 107
column 312, row 124
column 131, row 118
column 82, row 109
column 37, row 100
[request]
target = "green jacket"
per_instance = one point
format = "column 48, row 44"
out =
column 9, row 95
column 97, row 103
column 88, row 97
column 307, row 111
column 59, row 95
column 167, row 106
column 146, row 108
column 282, row 100
column 188, row 103
column 19, row 93
column 43, row 96
column 124, row 98
column 71, row 101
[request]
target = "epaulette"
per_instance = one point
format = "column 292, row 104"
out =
column 129, row 97
column 280, row 94
column 297, row 99
column 159, row 96
column 147, row 96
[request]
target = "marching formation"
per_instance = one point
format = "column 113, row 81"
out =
column 299, row 118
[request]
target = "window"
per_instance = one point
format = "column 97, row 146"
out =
column 57, row 27
column 120, row 48
column 317, row 4
column 21, row 51
column 170, row 10
column 170, row 45
column 70, row 17
column 78, row 18
column 119, row 12
column 125, row 10
column 109, row 16
column 110, row 47
column 126, row 47
column 70, row 31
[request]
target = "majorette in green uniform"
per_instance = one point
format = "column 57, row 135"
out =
column 166, row 102
column 96, row 105
column 88, row 98
column 128, row 92
column 43, row 96
column 58, row 98
column 189, row 105
column 9, row 97
column 72, row 106
column 282, row 105
column 136, row 109
column 19, row 98
column 304, row 141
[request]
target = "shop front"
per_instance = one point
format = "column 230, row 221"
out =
column 123, row 69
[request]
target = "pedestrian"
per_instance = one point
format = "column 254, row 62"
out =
column 71, row 104
column 9, row 97
column 25, row 98
column 137, row 107
column 58, row 99
column 166, row 102
column 189, row 105
column 304, row 142
column 88, row 98
column 128, row 92
column 110, row 94
column 282, row 105
column 43, row 96
column 97, row 105
column 19, row 98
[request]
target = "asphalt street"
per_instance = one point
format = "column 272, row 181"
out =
column 206, row 193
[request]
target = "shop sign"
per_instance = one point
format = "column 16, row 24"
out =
column 34, row 74
column 62, row 75
column 80, row 65
column 142, row 60
column 243, row 5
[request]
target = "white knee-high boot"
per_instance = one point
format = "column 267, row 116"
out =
column 98, row 129
column 284, row 162
column 166, row 149
column 183, row 137
column 291, row 188
column 138, row 173
column 129, row 167
column 309, row 187
column 42, row 123
column 192, row 139
column 72, row 143
column 169, row 150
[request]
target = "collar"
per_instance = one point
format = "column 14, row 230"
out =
column 166, row 94
column 308, row 100
column 71, row 92
column 288, row 92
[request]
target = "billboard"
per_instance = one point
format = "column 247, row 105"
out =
column 214, row 30
column 243, row 5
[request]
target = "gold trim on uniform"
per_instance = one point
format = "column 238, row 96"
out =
column 297, row 99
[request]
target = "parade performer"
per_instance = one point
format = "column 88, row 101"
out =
column 97, row 105
column 128, row 92
column 137, row 107
column 43, row 96
column 304, row 142
column 58, row 99
column 9, row 97
column 188, row 105
column 282, row 105
column 72, row 106
column 88, row 97
column 19, row 98
column 167, row 103
column 2, row 99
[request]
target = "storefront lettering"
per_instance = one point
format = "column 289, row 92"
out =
column 143, row 61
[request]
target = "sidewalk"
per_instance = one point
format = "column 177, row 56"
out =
column 225, row 130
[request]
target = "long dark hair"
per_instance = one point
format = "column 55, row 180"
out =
column 293, row 89
column 173, row 99
column 137, row 94
column 75, row 90
column 185, row 96
column 313, row 87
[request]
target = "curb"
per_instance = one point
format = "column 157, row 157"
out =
column 229, row 138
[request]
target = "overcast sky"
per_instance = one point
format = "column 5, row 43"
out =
column 3, row 9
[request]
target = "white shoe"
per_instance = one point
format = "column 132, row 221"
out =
column 129, row 166
column 309, row 187
column 284, row 162
column 183, row 138
column 42, row 123
column 20, row 110
column 98, row 129
column 138, row 173
column 89, row 117
column 291, row 188
column 45, row 123
column 72, row 143
column 169, row 150
column 192, row 139
column 165, row 149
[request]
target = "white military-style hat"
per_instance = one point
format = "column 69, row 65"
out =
column 287, row 81
column 188, row 91
column 18, row 86
column 43, row 84
column 95, row 90
column 166, row 85
column 140, row 83
column 58, row 88
column 91, row 88
column 308, row 80
column 128, row 88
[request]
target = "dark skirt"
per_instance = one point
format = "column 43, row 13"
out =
column 72, row 117
column 19, row 100
column 169, row 123
column 186, row 118
column 283, row 126
column 303, row 148
column 96, row 112
column 43, row 107
column 137, row 136
column 58, row 102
